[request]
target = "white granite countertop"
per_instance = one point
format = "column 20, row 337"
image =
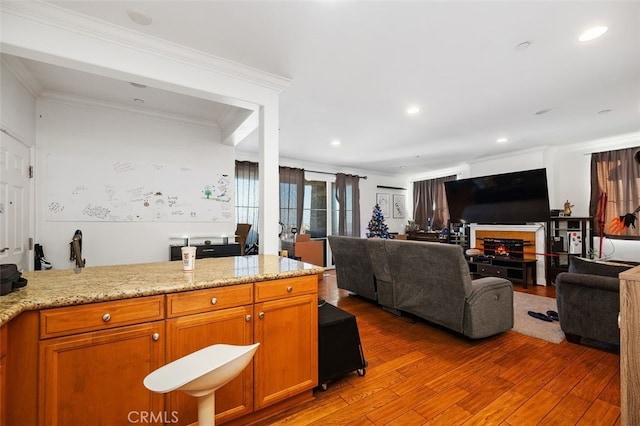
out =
column 55, row 288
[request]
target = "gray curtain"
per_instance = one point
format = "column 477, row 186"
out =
column 616, row 173
column 348, row 196
column 248, row 197
column 430, row 202
column 291, row 197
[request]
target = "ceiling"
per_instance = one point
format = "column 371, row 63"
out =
column 356, row 66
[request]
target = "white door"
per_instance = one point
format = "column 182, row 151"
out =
column 14, row 202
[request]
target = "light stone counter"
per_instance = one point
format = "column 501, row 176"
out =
column 55, row 288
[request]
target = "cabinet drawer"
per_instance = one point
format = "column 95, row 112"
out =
column 100, row 316
column 193, row 302
column 497, row 271
column 278, row 289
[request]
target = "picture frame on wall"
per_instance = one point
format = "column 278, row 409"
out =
column 383, row 200
column 399, row 206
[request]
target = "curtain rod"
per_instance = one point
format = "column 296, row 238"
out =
column 391, row 187
column 328, row 173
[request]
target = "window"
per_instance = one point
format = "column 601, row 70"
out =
column 314, row 215
column 248, row 197
column 615, row 192
column 291, row 199
column 430, row 203
column 345, row 205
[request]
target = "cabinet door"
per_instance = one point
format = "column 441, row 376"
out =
column 3, row 375
column 287, row 360
column 96, row 377
column 190, row 333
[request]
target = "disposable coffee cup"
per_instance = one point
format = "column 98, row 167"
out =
column 188, row 258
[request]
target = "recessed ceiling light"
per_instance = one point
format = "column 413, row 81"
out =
column 335, row 142
column 138, row 101
column 138, row 85
column 502, row 140
column 524, row 45
column 593, row 33
column 139, row 17
column 543, row 111
column 413, row 110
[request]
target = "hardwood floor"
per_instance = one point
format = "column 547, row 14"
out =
column 420, row 374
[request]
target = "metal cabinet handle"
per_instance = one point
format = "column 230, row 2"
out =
column 155, row 336
column 289, row 289
column 3, row 249
column 106, row 317
column 247, row 318
column 261, row 315
column 214, row 300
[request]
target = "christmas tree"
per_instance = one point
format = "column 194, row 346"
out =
column 377, row 228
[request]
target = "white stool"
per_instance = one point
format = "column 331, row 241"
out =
column 201, row 373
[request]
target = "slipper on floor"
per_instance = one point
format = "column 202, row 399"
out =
column 553, row 315
column 539, row 316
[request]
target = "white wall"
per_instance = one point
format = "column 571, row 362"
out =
column 65, row 128
column 568, row 174
column 17, row 106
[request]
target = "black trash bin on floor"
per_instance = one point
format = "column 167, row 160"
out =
column 339, row 348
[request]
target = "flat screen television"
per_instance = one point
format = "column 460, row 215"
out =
column 517, row 197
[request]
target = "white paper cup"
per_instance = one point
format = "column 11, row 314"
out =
column 188, row 258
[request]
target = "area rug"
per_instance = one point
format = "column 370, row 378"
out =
column 525, row 324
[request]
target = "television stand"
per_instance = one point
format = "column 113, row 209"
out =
column 515, row 270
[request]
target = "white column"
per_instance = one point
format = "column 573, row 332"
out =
column 269, row 178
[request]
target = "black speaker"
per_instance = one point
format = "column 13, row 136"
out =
column 339, row 348
column 557, row 244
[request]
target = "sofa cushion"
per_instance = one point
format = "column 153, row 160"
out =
column 580, row 265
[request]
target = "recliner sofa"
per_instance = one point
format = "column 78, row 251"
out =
column 354, row 272
column 588, row 298
column 429, row 280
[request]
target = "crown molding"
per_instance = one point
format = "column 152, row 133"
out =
column 611, row 143
column 64, row 19
column 82, row 101
column 17, row 68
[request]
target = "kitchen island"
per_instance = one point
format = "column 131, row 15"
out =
column 79, row 345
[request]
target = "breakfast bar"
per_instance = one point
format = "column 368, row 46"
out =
column 78, row 345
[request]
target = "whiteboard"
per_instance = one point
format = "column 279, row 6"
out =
column 82, row 189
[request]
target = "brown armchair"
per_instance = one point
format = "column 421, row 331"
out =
column 242, row 231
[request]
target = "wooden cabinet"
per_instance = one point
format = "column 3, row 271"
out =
column 85, row 364
column 3, row 377
column 286, row 326
column 630, row 346
column 96, row 376
column 202, row 318
column 306, row 249
column 515, row 270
